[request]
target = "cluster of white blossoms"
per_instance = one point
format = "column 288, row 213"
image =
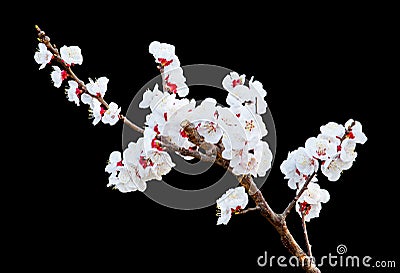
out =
column 71, row 55
column 169, row 65
column 333, row 150
column 137, row 166
column 239, row 128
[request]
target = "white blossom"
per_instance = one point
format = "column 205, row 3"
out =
column 310, row 201
column 122, row 181
column 57, row 76
column 356, row 132
column 305, row 163
column 127, row 180
column 73, row 92
column 243, row 162
column 332, row 129
column 205, row 117
column 252, row 123
column 43, row 56
column 263, row 155
column 96, row 112
column 164, row 54
column 333, row 168
column 111, row 115
column 97, row 88
column 174, row 81
column 290, row 168
column 232, row 80
column 114, row 162
column 347, row 152
column 314, row 194
column 161, row 50
column 320, row 148
column 151, row 97
column 89, row 100
column 257, row 102
column 150, row 163
column 231, row 201
column 71, row 55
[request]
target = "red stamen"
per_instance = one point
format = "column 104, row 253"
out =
column 350, row 135
column 183, row 133
column 164, row 62
column 339, row 148
column 64, row 75
column 156, row 144
column 165, row 116
column 236, row 82
column 237, row 209
column 172, row 87
column 78, row 92
column 305, row 208
column 238, row 115
column 156, row 129
column 119, row 163
column 143, row 162
column 102, row 110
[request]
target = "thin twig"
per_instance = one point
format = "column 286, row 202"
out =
column 81, row 85
column 293, row 203
column 163, row 83
column 248, row 210
column 303, row 222
column 132, row 125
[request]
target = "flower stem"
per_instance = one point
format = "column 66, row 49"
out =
column 293, row 203
column 303, row 222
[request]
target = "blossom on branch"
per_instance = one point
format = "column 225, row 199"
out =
column 164, row 55
column 175, row 82
column 114, row 162
column 320, row 148
column 298, row 167
column 233, row 200
column 43, row 56
column 97, row 88
column 333, row 168
column 71, row 55
column 310, row 201
column 355, row 132
column 111, row 115
column 73, row 92
column 58, row 76
column 334, row 149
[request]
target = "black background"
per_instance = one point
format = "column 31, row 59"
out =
column 317, row 67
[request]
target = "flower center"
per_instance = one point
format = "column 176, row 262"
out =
column 64, row 75
column 305, row 208
column 249, row 125
column 164, row 62
column 236, row 82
